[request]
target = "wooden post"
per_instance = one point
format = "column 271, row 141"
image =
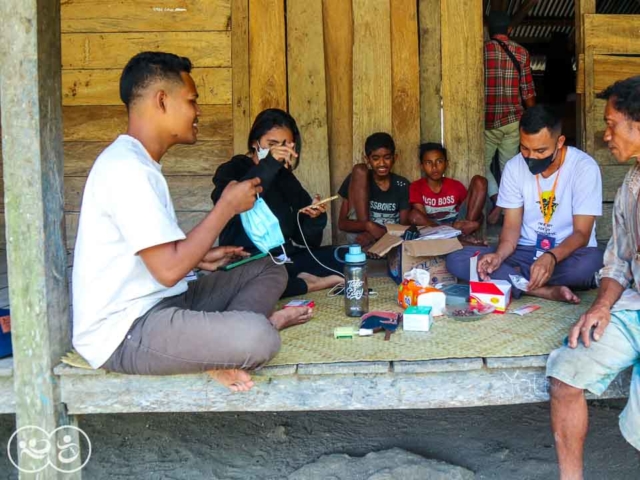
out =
column 405, row 86
column 372, row 68
column 463, row 87
column 33, row 176
column 338, row 45
column 430, row 71
column 582, row 7
column 308, row 95
column 267, row 56
column 240, row 74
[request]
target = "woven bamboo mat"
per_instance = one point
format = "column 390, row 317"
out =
column 509, row 335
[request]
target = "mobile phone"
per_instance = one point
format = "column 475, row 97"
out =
column 233, row 265
column 300, row 303
column 325, row 200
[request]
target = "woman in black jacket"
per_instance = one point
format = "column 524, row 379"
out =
column 274, row 152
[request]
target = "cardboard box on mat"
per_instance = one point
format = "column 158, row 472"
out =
column 491, row 292
column 426, row 254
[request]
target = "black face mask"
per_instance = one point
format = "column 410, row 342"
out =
column 539, row 165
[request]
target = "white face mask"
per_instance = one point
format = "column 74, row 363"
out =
column 262, row 152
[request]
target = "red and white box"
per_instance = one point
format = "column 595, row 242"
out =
column 493, row 292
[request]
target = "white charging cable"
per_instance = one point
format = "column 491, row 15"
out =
column 338, row 289
column 309, row 250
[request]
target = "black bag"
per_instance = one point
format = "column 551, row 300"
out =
column 510, row 55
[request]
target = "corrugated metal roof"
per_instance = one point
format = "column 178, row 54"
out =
column 560, row 17
column 558, row 10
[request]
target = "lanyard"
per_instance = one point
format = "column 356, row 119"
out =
column 548, row 210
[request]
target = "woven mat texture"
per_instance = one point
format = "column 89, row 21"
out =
column 509, row 335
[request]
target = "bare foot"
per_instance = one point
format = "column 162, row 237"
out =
column 494, row 216
column 558, row 294
column 288, row 317
column 315, row 283
column 467, row 227
column 471, row 240
column 234, row 379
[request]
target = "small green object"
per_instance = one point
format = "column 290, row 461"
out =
column 233, row 265
column 423, row 310
column 344, row 332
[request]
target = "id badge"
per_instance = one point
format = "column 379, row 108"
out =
column 544, row 243
column 191, row 276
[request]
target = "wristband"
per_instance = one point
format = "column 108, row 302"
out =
column 549, row 252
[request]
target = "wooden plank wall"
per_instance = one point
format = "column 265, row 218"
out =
column 430, row 71
column 344, row 68
column 610, row 42
column 463, row 87
column 97, row 41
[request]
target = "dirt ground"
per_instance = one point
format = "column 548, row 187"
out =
column 509, row 442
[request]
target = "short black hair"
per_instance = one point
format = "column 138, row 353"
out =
column 275, row 118
column 379, row 140
column 147, row 67
column 626, row 97
column 498, row 23
column 539, row 117
column 430, row 146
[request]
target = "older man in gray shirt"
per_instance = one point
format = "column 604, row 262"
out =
column 606, row 339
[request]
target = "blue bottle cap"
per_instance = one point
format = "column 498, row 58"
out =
column 355, row 255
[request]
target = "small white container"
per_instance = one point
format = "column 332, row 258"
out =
column 417, row 319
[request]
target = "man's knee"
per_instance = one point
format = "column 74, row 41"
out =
column 280, row 273
column 458, row 263
column 562, row 392
column 584, row 267
column 478, row 182
column 262, row 343
column 360, row 170
column 276, row 273
column 267, row 348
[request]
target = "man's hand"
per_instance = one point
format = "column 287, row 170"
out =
column 240, row 196
column 467, row 227
column 487, row 264
column 218, row 257
column 375, row 230
column 365, row 240
column 541, row 271
column 314, row 210
column 598, row 316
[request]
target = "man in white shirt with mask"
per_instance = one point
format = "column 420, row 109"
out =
column 551, row 195
column 134, row 311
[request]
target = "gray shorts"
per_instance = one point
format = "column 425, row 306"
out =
column 220, row 322
column 594, row 368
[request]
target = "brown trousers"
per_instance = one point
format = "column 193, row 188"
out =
column 220, row 322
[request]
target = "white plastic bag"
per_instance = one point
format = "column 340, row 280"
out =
column 418, row 275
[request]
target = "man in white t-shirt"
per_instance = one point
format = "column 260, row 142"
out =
column 551, row 195
column 134, row 310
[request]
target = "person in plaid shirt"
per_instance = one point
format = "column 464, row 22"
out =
column 507, row 86
column 606, row 339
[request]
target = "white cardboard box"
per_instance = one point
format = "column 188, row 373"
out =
column 492, row 292
column 425, row 254
column 417, row 319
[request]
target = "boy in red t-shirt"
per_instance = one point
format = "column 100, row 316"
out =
column 438, row 200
